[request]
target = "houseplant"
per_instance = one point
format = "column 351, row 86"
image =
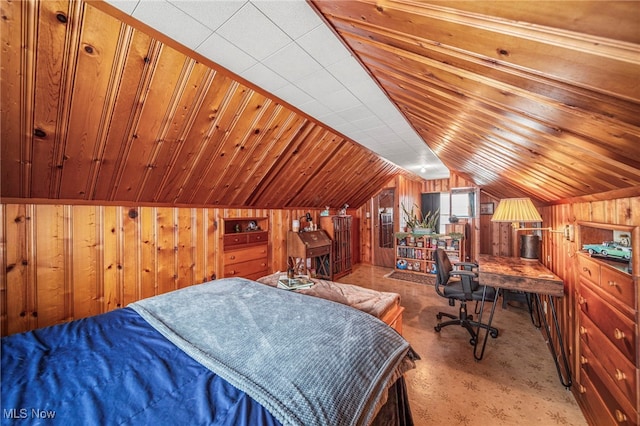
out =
column 418, row 223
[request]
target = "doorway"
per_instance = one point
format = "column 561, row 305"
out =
column 384, row 235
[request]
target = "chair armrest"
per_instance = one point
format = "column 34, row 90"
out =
column 467, row 266
column 469, row 282
column 463, row 272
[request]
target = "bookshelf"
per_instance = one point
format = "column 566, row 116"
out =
column 415, row 252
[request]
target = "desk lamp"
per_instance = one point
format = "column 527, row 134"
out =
column 517, row 210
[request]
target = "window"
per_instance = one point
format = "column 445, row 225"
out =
column 460, row 202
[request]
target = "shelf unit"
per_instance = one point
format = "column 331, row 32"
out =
column 415, row 252
column 245, row 247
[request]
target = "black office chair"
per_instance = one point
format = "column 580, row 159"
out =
column 462, row 285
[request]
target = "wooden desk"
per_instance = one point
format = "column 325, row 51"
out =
column 513, row 273
column 310, row 247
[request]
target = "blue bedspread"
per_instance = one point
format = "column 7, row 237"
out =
column 114, row 369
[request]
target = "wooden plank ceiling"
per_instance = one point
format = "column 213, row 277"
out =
column 522, row 98
column 96, row 110
column 537, row 98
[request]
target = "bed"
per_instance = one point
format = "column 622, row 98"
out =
column 382, row 305
column 227, row 352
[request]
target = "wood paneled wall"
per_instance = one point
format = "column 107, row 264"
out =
column 408, row 192
column 64, row 262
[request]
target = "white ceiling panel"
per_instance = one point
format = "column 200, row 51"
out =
column 320, row 83
column 323, row 46
column 250, row 30
column 222, row 52
column 264, row 77
column 292, row 63
column 212, row 16
column 295, row 18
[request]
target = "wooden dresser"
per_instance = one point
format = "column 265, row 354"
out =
column 339, row 230
column 245, row 248
column 607, row 385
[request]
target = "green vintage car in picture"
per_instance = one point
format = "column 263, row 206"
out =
column 609, row 249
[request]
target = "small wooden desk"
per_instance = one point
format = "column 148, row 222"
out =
column 513, row 273
column 312, row 246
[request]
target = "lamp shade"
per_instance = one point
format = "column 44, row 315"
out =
column 516, row 210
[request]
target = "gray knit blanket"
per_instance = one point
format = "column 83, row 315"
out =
column 309, row 361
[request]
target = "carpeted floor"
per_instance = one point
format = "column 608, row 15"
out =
column 516, row 382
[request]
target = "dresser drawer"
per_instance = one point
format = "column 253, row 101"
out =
column 246, row 269
column 244, row 254
column 589, row 268
column 235, row 239
column 617, row 328
column 599, row 353
column 617, row 407
column 597, row 411
column 245, row 238
column 257, row 237
column 619, row 285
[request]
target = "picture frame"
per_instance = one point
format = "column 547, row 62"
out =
column 486, row 208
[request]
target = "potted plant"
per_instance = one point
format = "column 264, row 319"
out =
column 427, row 223
column 410, row 218
column 420, row 224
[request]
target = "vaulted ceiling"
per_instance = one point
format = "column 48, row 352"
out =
column 522, row 98
column 540, row 98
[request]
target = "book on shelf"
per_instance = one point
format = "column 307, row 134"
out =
column 296, row 283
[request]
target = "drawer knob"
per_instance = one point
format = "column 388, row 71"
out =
column 620, row 375
column 582, row 389
column 585, row 269
column 619, row 335
column 583, row 330
column 612, row 283
column 620, row 416
column 583, row 360
column 582, row 300
column 232, row 257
